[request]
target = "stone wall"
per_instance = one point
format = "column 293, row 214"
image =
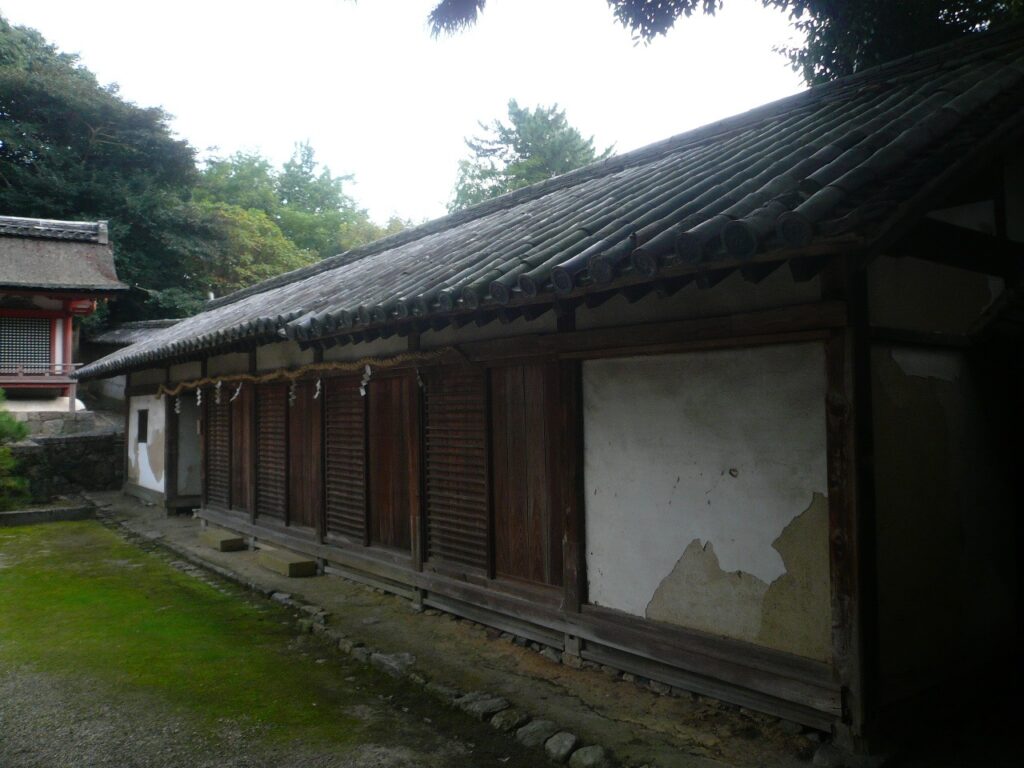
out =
column 62, row 423
column 71, row 463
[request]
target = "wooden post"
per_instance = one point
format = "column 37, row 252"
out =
column 851, row 505
column 570, row 479
column 253, row 439
column 171, row 429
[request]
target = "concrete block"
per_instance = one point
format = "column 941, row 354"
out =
column 287, row 563
column 222, row 541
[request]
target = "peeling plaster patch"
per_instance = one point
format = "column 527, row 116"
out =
column 791, row 614
column 796, row 612
column 927, row 363
column 698, row 594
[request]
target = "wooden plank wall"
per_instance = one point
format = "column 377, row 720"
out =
column 345, row 459
column 271, row 451
column 242, row 486
column 527, row 515
column 305, row 494
column 393, row 460
column 456, row 464
column 218, row 453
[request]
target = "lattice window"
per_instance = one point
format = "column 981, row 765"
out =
column 25, row 345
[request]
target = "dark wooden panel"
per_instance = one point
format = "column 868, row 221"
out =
column 305, row 473
column 527, row 513
column 394, row 460
column 218, row 451
column 456, row 467
column 271, row 450
column 345, row 460
column 241, row 449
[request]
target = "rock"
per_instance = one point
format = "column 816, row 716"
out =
column 629, row 677
column 828, row 756
column 707, row 740
column 395, row 664
column 361, row 654
column 305, row 626
column 660, row 688
column 552, row 655
column 311, row 609
column 522, row 642
column 571, row 660
column 482, row 707
column 593, row 756
column 281, row 597
column 510, row 720
column 347, row 645
column 508, row 637
column 536, row 733
column 560, row 746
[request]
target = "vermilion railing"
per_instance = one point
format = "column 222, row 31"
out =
column 14, row 368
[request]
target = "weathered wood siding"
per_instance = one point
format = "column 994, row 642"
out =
column 345, row 460
column 271, row 451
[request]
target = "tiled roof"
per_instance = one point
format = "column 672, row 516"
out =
column 51, row 229
column 47, row 255
column 826, row 171
column 130, row 333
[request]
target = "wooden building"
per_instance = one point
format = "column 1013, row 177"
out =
column 733, row 411
column 50, row 273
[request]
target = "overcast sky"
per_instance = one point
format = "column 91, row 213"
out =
column 379, row 98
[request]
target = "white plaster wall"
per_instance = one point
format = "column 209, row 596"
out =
column 146, row 460
column 284, row 354
column 57, row 328
column 721, row 449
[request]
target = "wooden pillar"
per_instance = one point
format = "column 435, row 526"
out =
column 570, row 478
column 171, row 429
column 851, row 505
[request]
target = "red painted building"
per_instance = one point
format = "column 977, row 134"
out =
column 50, row 273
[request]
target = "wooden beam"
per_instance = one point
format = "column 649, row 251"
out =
column 962, row 248
column 635, row 338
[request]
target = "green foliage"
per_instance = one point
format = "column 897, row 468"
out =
column 13, row 489
column 308, row 203
column 73, row 149
column 534, row 145
column 842, row 36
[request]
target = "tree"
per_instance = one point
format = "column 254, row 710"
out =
column 842, row 37
column 534, row 145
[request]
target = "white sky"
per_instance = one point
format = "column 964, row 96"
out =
column 379, row 98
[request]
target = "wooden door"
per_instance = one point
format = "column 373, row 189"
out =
column 456, row 483
column 242, row 449
column 394, row 460
column 272, row 450
column 527, row 515
column 218, row 452
column 305, row 474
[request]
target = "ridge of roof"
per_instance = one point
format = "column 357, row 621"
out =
column 55, row 229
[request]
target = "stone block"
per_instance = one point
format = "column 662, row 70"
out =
column 560, row 746
column 593, row 756
column 287, row 563
column 536, row 733
column 222, row 541
column 510, row 720
column 483, row 707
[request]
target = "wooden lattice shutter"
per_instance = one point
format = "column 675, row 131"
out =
column 345, row 460
column 457, row 494
column 218, row 452
column 271, row 450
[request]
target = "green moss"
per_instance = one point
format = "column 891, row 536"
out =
column 77, row 601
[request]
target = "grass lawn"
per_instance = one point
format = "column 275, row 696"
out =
column 80, row 603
